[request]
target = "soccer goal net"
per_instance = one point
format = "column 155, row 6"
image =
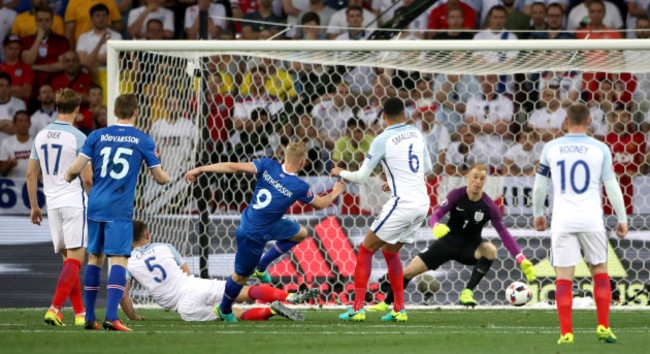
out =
column 493, row 102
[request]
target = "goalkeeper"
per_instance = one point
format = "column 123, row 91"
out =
column 470, row 209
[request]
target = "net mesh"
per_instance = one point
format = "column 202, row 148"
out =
column 497, row 108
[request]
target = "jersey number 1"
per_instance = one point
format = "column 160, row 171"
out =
column 117, row 160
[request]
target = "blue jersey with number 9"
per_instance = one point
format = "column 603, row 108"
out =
column 117, row 153
column 276, row 190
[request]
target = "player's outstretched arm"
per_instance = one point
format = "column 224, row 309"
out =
column 33, row 169
column 615, row 197
column 127, row 305
column 359, row 177
column 221, row 167
column 323, row 202
column 75, row 169
column 160, row 175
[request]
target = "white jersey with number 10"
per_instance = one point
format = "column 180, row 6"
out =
column 577, row 165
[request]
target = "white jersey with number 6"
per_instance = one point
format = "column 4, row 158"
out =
column 56, row 147
column 402, row 152
column 156, row 267
column 577, row 165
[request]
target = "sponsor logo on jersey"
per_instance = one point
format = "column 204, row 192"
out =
column 478, row 216
column 155, row 152
column 309, row 193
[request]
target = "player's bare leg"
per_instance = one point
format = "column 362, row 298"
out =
column 564, row 302
column 603, row 299
column 278, row 249
column 91, row 288
column 69, row 277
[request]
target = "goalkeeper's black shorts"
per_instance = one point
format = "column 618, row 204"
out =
column 442, row 251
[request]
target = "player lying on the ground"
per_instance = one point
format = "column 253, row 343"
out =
column 460, row 240
column 161, row 270
column 276, row 189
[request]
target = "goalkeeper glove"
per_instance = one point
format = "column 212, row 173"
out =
column 440, row 230
column 527, row 268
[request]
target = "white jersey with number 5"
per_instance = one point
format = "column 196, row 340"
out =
column 404, row 156
column 56, row 147
column 577, row 165
column 156, row 267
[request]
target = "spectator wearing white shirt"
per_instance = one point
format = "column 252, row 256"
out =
column 7, row 17
column 216, row 21
column 496, row 30
column 521, row 158
column 452, row 92
column 488, row 115
column 152, row 9
column 436, row 136
column 330, row 116
column 359, row 78
column 579, row 16
column 339, row 21
column 8, row 107
column 636, row 9
column 91, row 46
column 15, row 150
column 462, row 154
column 549, row 119
column 47, row 113
column 569, row 84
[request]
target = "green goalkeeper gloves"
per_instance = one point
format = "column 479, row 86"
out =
column 529, row 270
column 440, row 230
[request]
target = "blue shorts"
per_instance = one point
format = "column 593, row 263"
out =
column 113, row 238
column 251, row 244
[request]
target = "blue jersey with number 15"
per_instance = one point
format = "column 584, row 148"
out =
column 117, row 153
column 276, row 190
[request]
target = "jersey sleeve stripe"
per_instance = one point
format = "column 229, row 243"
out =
column 81, row 153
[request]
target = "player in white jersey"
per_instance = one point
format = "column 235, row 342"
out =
column 578, row 166
column 404, row 155
column 55, row 149
column 161, row 270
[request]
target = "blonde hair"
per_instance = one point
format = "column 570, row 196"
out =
column 67, row 100
column 295, row 152
column 478, row 166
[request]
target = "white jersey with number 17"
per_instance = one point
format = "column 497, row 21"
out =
column 577, row 165
column 56, row 147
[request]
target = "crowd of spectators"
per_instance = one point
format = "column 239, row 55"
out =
column 255, row 105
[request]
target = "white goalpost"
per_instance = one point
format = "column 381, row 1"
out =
column 210, row 101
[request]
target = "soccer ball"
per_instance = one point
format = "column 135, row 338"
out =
column 518, row 294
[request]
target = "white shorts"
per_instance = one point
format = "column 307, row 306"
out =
column 69, row 228
column 200, row 298
column 565, row 248
column 399, row 220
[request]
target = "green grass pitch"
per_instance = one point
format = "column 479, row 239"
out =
column 427, row 331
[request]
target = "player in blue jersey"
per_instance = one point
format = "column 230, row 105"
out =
column 263, row 220
column 116, row 153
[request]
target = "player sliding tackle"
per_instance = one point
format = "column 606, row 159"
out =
column 161, row 270
column 460, row 239
column 277, row 188
column 405, row 158
column 577, row 165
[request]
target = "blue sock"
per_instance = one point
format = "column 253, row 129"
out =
column 91, row 287
column 229, row 295
column 278, row 249
column 116, row 284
